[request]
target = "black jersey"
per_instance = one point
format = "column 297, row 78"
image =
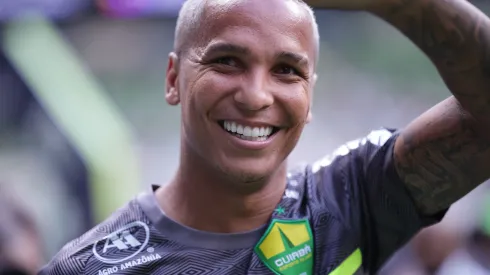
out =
column 343, row 215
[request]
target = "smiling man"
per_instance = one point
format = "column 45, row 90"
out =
column 243, row 73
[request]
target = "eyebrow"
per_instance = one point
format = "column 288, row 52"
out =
column 299, row 59
column 223, row 47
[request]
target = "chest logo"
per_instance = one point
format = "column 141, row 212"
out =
column 123, row 244
column 287, row 247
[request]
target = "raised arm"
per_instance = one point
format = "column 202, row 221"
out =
column 444, row 153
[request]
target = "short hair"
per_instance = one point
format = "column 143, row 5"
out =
column 187, row 23
column 190, row 17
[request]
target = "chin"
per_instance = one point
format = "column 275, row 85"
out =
column 249, row 173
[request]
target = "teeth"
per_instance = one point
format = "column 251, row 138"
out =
column 255, row 132
column 247, row 132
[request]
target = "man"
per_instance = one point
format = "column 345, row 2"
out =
column 20, row 243
column 243, row 72
column 470, row 258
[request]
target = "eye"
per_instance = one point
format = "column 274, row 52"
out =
column 228, row 61
column 287, row 70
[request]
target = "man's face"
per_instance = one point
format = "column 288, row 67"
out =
column 245, row 86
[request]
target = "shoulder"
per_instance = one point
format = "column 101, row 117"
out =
column 339, row 180
column 362, row 148
column 74, row 257
column 347, row 161
column 354, row 154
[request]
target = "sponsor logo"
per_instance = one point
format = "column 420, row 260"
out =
column 142, row 260
column 122, row 244
column 287, row 247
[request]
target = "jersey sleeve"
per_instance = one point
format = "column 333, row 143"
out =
column 77, row 257
column 360, row 186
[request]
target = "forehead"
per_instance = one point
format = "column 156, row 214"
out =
column 279, row 24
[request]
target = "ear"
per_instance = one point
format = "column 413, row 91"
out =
column 309, row 117
column 172, row 94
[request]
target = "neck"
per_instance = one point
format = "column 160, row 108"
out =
column 203, row 198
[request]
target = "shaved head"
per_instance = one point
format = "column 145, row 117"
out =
column 194, row 14
column 245, row 61
column 188, row 22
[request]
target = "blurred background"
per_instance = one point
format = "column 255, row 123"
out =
column 84, row 126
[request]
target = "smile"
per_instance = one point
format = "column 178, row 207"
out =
column 251, row 133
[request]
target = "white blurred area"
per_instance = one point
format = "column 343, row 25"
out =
column 370, row 76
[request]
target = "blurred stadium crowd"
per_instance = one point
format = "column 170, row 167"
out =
column 84, row 126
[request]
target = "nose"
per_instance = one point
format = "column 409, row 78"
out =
column 255, row 92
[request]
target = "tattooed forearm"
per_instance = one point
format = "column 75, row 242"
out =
column 441, row 157
column 445, row 153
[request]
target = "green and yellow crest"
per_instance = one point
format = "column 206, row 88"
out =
column 287, row 247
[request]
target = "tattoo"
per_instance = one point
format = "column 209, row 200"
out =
column 441, row 157
column 445, row 153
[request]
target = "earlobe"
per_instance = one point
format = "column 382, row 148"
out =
column 172, row 94
column 309, row 117
column 172, row 97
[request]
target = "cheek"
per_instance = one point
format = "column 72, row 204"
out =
column 209, row 90
column 297, row 104
column 203, row 92
column 193, row 94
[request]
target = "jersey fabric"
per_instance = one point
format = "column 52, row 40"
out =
column 343, row 215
